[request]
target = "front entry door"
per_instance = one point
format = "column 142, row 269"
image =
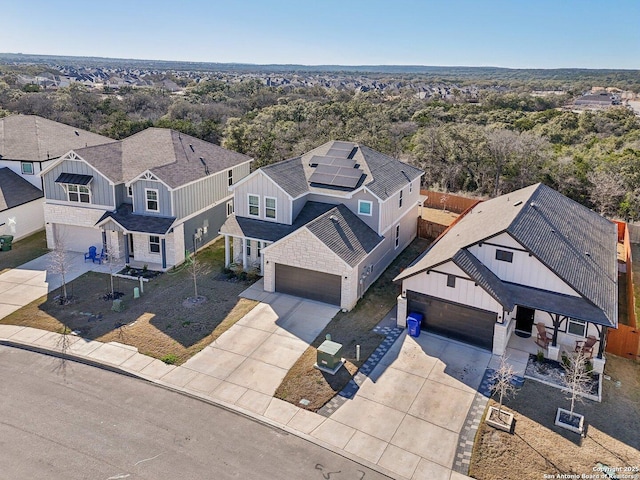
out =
column 524, row 321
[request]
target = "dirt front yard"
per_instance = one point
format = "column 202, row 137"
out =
column 538, row 447
column 161, row 323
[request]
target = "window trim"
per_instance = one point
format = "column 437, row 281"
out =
column 230, row 177
column 157, row 200
column 24, row 172
column 229, row 208
column 504, row 256
column 256, row 206
column 400, row 199
column 365, row 202
column 451, row 280
column 410, row 187
column 397, row 236
column 87, row 193
column 266, row 208
column 153, row 243
column 248, row 246
column 130, row 191
column 259, row 249
column 581, row 323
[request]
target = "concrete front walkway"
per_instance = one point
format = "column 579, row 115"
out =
column 26, row 283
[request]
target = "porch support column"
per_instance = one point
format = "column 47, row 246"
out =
column 601, row 344
column 126, row 248
column 244, row 253
column 163, row 248
column 226, row 251
column 556, row 326
column 104, row 240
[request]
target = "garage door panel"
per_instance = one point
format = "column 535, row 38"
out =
column 301, row 282
column 461, row 322
column 78, row 239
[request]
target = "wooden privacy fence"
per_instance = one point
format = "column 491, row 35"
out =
column 447, row 201
column 427, row 229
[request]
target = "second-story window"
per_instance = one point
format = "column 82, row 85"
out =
column 451, row 281
column 400, row 200
column 410, row 187
column 269, row 207
column 26, row 168
column 129, row 191
column 364, row 207
column 152, row 199
column 230, row 176
column 397, row 236
column 229, row 207
column 504, row 256
column 79, row 193
column 254, row 205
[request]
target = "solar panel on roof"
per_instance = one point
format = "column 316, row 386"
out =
column 331, row 169
column 347, row 182
column 322, row 178
column 339, row 162
column 338, row 152
column 350, row 172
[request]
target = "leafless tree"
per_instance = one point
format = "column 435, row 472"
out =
column 501, row 382
column 577, row 379
column 607, row 190
column 60, row 264
column 196, row 269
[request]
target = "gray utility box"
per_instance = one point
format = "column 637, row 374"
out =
column 329, row 354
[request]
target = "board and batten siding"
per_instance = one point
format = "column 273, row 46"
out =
column 352, row 204
column 390, row 212
column 524, row 270
column 209, row 221
column 121, row 194
column 101, row 190
column 262, row 186
column 206, row 192
column 140, row 200
column 465, row 292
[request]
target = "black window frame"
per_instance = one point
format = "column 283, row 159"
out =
column 504, row 256
column 451, row 281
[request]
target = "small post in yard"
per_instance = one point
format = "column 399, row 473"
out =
column 357, row 353
column 141, row 285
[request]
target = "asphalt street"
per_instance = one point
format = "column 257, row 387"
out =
column 66, row 420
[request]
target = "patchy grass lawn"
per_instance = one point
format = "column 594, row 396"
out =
column 160, row 323
column 538, row 447
column 350, row 329
column 23, row 251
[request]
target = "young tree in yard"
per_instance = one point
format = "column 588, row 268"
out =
column 196, row 269
column 577, row 379
column 501, row 383
column 60, row 265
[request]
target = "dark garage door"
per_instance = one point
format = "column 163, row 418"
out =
column 301, row 282
column 467, row 324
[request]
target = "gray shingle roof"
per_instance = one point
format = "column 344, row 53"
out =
column 334, row 225
column 345, row 234
column 134, row 222
column 15, row 190
column 384, row 175
column 33, row 138
column 172, row 156
column 575, row 243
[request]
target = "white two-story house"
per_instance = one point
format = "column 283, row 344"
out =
column 326, row 224
column 528, row 257
column 148, row 198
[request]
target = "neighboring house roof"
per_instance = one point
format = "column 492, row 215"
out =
column 175, row 158
column 33, row 138
column 134, row 222
column 383, row 175
column 15, row 190
column 578, row 245
column 334, row 225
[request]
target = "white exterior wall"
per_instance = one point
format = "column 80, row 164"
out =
column 23, row 220
column 390, row 212
column 262, row 186
column 38, row 166
column 303, row 249
column 524, row 270
column 466, row 292
column 176, row 246
column 68, row 215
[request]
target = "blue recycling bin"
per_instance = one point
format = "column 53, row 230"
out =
column 413, row 324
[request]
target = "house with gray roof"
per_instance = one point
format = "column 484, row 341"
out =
column 29, row 143
column 529, row 257
column 326, row 224
column 148, row 199
column 21, row 212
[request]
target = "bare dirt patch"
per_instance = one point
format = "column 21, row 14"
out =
column 23, row 251
column 157, row 323
column 538, row 447
column 439, row 216
column 303, row 381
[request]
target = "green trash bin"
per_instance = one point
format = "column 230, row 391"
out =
column 5, row 242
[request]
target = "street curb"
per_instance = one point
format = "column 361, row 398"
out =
column 218, row 403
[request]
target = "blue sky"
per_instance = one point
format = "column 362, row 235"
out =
column 502, row 33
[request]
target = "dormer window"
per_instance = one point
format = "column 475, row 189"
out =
column 151, row 194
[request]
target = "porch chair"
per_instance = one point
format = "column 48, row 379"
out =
column 100, row 258
column 91, row 254
column 586, row 346
column 543, row 337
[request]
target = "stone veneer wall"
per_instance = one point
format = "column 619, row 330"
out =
column 68, row 215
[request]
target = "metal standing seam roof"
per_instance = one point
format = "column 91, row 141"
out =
column 33, row 138
column 15, row 190
column 74, row 179
column 383, row 175
column 175, row 158
column 575, row 243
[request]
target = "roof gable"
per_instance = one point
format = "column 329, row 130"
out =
column 15, row 190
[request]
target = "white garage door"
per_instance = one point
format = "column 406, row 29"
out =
column 79, row 239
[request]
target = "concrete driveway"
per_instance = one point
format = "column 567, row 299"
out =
column 26, row 283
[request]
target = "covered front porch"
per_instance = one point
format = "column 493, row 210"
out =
column 244, row 251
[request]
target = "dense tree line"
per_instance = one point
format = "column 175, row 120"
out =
column 502, row 142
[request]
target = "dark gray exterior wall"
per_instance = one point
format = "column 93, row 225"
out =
column 121, row 195
column 212, row 219
column 101, row 190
